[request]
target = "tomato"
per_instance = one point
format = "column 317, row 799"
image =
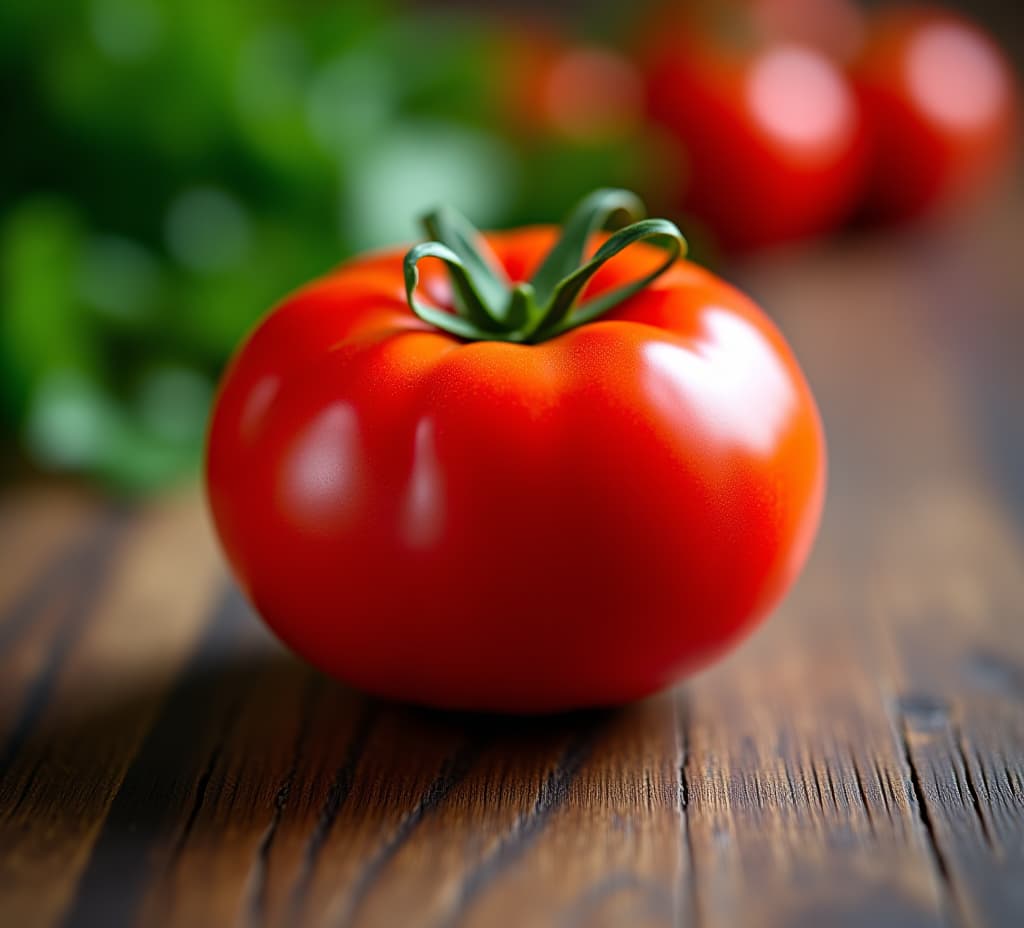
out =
column 549, row 86
column 766, row 134
column 530, row 517
column 940, row 103
column 834, row 27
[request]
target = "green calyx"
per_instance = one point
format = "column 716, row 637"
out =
column 489, row 307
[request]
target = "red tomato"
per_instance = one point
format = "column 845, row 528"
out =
column 940, row 103
column 768, row 137
column 578, row 92
column 834, row 27
column 515, row 527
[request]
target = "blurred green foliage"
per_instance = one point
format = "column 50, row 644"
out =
column 173, row 167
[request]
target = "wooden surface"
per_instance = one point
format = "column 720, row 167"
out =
column 859, row 761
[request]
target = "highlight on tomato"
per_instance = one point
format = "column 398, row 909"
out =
column 764, row 131
column 941, row 108
column 522, row 471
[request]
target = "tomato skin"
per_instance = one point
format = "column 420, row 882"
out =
column 834, row 27
column 518, row 528
column 770, row 145
column 941, row 107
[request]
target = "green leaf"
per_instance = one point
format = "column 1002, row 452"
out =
column 43, row 326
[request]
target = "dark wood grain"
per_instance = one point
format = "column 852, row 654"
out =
column 859, row 761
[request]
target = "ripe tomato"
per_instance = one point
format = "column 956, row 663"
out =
column 940, row 105
column 508, row 521
column 767, row 135
column 576, row 92
column 834, row 27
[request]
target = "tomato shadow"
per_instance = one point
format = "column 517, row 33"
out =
column 243, row 738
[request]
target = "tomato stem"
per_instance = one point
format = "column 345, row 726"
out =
column 489, row 307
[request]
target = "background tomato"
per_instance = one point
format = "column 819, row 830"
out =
column 940, row 103
column 767, row 136
column 834, row 27
column 548, row 85
column 508, row 526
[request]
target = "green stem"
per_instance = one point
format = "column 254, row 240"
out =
column 592, row 214
column 560, row 317
column 488, row 307
column 473, row 317
column 491, row 283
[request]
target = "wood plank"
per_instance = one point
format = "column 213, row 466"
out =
column 801, row 806
column 45, row 537
column 130, row 626
column 963, row 723
column 930, row 558
column 800, row 809
column 607, row 820
column 40, row 525
column 384, row 815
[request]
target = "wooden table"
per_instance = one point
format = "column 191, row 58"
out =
column 859, row 761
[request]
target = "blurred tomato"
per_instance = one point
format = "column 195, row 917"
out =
column 940, row 106
column 767, row 135
column 834, row 27
column 577, row 92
